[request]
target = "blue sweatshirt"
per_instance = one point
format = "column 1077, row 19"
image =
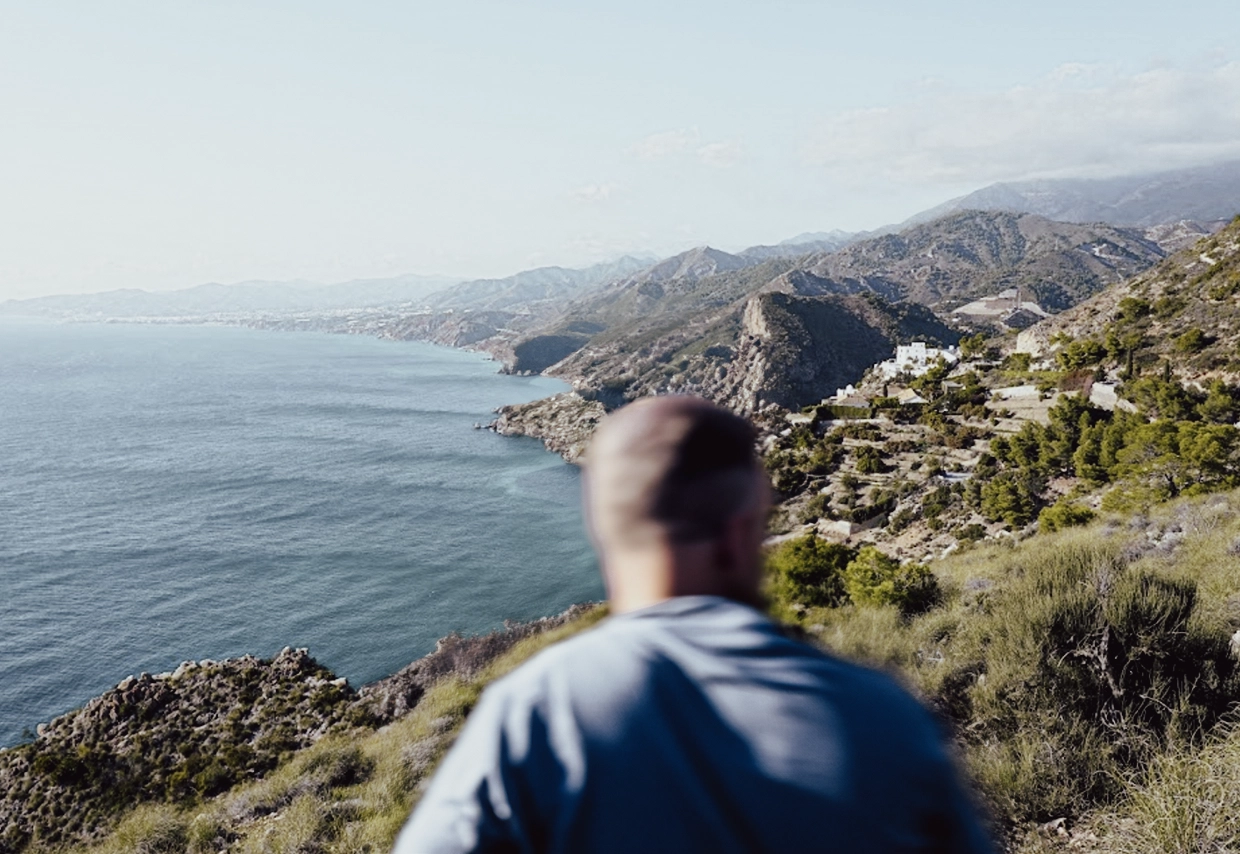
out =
column 694, row 725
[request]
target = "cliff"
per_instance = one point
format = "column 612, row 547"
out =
column 190, row 733
column 797, row 350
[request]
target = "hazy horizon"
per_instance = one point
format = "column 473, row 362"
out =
column 160, row 148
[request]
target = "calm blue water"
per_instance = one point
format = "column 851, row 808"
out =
column 173, row 493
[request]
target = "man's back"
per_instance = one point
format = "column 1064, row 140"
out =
column 694, row 725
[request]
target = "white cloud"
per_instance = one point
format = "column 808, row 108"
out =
column 659, row 145
column 594, row 192
column 721, row 155
column 1080, row 120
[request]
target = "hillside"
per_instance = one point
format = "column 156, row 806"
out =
column 679, row 327
column 1086, row 676
column 962, row 256
column 1185, row 313
column 1203, row 193
column 802, row 244
column 211, row 726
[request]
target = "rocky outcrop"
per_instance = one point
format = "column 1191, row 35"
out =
column 796, row 350
column 206, row 727
column 175, row 736
column 564, row 422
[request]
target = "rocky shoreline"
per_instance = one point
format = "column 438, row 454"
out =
column 563, row 422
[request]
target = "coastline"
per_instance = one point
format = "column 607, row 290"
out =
column 536, row 480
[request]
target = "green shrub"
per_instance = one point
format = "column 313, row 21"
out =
column 1187, row 801
column 816, row 508
column 808, row 571
column 1063, row 514
column 873, row 578
column 870, row 460
column 1192, row 341
column 1132, row 309
column 1102, row 663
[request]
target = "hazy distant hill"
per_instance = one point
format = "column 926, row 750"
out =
column 976, row 253
column 523, row 290
column 1203, row 193
column 514, row 293
column 803, row 244
column 691, row 265
column 241, row 298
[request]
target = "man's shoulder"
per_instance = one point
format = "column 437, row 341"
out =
column 706, row 637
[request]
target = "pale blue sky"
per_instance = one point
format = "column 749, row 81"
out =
column 163, row 144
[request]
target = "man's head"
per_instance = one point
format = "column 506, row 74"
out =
column 676, row 502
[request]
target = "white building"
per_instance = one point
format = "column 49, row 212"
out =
column 915, row 359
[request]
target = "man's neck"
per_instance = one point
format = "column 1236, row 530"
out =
column 639, row 579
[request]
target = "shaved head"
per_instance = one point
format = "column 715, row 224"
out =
column 672, row 469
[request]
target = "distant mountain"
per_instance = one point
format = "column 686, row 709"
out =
column 523, row 291
column 241, row 298
column 790, row 330
column 691, row 265
column 803, row 244
column 1203, row 193
column 515, row 293
column 969, row 254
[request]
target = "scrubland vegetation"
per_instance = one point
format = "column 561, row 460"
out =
column 1087, row 675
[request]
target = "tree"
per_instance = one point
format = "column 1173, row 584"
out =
column 1151, row 455
column 1081, row 354
column 973, row 346
column 1087, row 459
column 1211, row 455
column 1220, row 405
column 1132, row 309
column 1008, row 497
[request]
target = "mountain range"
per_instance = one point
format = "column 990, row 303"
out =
column 1203, row 193
column 1173, row 208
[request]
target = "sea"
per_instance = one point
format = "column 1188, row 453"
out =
column 173, row 493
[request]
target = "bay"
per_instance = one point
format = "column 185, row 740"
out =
column 187, row 492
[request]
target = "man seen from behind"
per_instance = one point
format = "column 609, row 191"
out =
column 687, row 721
